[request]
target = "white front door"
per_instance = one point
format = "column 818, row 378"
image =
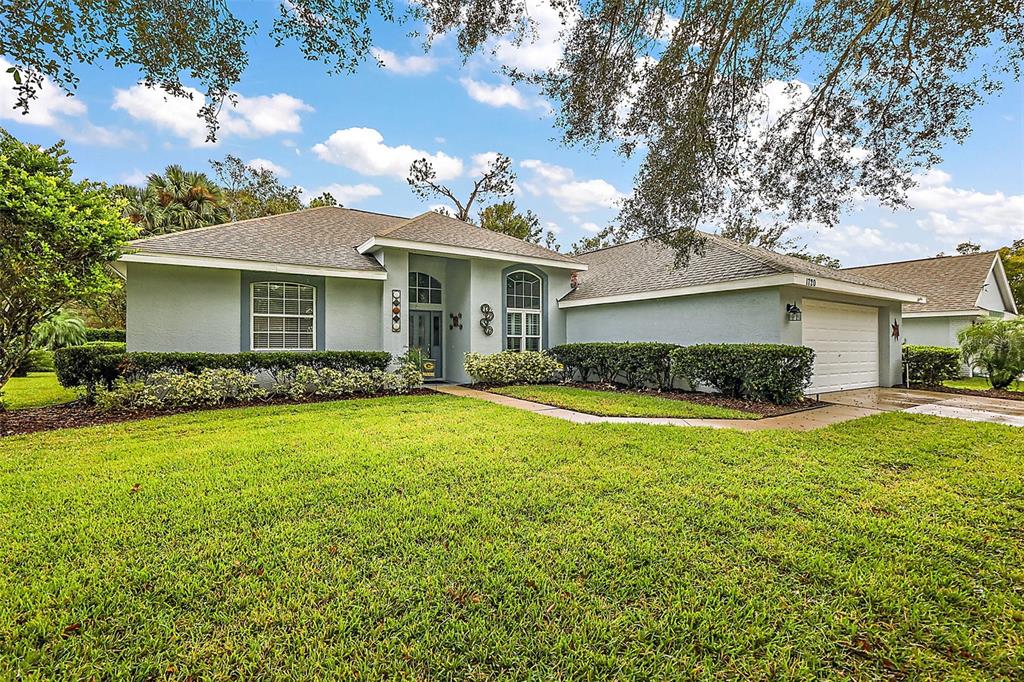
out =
column 845, row 342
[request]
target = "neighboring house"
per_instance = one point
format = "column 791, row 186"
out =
column 960, row 290
column 335, row 278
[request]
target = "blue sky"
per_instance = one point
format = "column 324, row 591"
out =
column 355, row 135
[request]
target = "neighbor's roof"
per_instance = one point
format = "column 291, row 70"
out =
column 648, row 265
column 329, row 237
column 951, row 283
column 434, row 228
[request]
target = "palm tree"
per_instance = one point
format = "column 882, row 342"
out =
column 997, row 346
column 62, row 330
column 173, row 201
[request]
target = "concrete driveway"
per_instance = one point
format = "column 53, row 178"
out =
column 969, row 407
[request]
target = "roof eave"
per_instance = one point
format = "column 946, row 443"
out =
column 376, row 243
column 241, row 264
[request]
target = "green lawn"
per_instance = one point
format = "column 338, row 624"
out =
column 617, row 403
column 438, row 537
column 35, row 390
column 980, row 384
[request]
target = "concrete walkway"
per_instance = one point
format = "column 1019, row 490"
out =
column 843, row 406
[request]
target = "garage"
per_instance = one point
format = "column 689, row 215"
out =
column 845, row 342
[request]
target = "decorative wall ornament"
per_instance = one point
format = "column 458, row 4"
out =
column 895, row 329
column 396, row 310
column 456, row 322
column 574, row 280
column 485, row 320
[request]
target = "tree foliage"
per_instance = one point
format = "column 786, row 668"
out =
column 251, row 192
column 56, row 237
column 60, row 331
column 174, row 200
column 1013, row 262
column 496, row 180
column 503, row 217
column 997, row 346
column 745, row 113
column 964, row 248
column 324, row 199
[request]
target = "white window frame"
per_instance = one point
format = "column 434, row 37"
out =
column 522, row 313
column 253, row 314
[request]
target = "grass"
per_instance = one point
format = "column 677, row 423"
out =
column 980, row 384
column 38, row 389
column 437, row 537
column 618, row 403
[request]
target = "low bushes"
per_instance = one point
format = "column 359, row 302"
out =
column 509, row 367
column 931, row 365
column 211, row 387
column 37, row 360
column 100, row 334
column 634, row 364
column 753, row 371
column 103, row 363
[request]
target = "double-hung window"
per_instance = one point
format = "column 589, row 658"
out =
column 523, row 311
column 283, row 316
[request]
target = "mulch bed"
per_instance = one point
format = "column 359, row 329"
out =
column 988, row 393
column 762, row 409
column 79, row 413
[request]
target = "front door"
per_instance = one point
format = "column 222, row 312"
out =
column 425, row 334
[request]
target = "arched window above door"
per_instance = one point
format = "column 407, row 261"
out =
column 424, row 289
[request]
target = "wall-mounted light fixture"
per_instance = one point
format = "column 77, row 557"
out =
column 793, row 312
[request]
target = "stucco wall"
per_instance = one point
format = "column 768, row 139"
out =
column 729, row 317
column 934, row 331
column 175, row 308
column 353, row 314
column 396, row 262
column 485, row 286
column 990, row 297
column 457, row 300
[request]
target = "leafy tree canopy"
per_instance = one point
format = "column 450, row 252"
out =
column 325, row 199
column 496, row 180
column 56, row 237
column 174, row 200
column 503, row 217
column 253, row 192
column 1013, row 262
column 743, row 111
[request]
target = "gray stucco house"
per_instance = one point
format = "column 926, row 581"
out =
column 336, row 278
column 960, row 290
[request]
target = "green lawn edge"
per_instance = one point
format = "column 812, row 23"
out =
column 38, row 389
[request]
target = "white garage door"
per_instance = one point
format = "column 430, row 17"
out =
column 845, row 342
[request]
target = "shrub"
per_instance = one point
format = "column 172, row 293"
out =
column 752, row 371
column 997, row 346
column 102, row 362
column 931, row 365
column 89, row 365
column 115, row 335
column 305, row 381
column 590, row 361
column 37, row 360
column 634, row 364
column 510, row 367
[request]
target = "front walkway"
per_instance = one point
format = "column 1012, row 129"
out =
column 844, row 406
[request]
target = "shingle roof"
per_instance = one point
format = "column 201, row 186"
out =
column 649, row 265
column 328, row 236
column 322, row 237
column 950, row 283
column 434, row 228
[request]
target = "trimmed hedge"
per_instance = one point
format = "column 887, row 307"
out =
column 100, row 334
column 37, row 360
column 752, row 371
column 634, row 364
column 931, row 365
column 510, row 367
column 101, row 363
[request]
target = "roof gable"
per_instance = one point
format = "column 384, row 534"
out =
column 950, row 283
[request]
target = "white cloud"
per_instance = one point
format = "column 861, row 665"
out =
column 347, row 195
column 363, row 150
column 413, row 65
column 52, row 108
column 553, row 228
column 135, row 177
column 590, row 227
column 989, row 218
column 251, row 117
column 542, row 46
column 481, row 162
column 266, row 164
column 501, row 95
column 571, row 195
column 856, row 245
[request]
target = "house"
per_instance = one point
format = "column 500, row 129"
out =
column 337, row 278
column 960, row 290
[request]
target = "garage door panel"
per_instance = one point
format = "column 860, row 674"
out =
column 845, row 342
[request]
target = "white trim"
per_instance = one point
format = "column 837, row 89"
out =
column 237, row 264
column 374, row 243
column 522, row 313
column 785, row 279
column 977, row 312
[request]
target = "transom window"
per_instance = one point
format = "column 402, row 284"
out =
column 523, row 324
column 283, row 316
column 423, row 288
